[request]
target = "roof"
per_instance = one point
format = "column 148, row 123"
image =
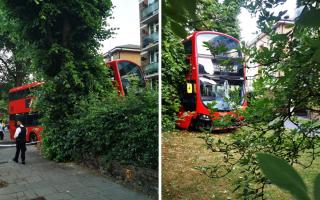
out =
column 275, row 26
column 121, row 60
column 280, row 22
column 129, row 46
column 212, row 32
column 23, row 87
column 125, row 47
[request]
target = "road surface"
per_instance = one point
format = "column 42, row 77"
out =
column 55, row 181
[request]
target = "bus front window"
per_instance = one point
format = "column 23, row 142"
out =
column 226, row 95
column 220, row 70
column 130, row 75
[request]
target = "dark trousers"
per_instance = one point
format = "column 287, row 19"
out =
column 20, row 146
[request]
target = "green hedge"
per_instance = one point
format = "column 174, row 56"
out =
column 117, row 128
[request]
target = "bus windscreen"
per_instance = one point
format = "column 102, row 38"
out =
column 220, row 71
column 130, row 75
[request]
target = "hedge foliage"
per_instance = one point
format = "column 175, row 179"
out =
column 174, row 70
column 117, row 128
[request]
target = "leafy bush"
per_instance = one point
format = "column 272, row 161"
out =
column 117, row 128
column 173, row 78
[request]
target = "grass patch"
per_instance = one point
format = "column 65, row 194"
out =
column 183, row 152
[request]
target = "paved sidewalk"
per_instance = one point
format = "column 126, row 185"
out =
column 55, row 181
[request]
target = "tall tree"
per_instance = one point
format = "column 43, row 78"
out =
column 15, row 61
column 221, row 17
column 65, row 38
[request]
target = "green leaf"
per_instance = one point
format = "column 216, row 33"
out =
column 171, row 12
column 283, row 175
column 309, row 17
column 316, row 55
column 191, row 6
column 178, row 29
column 316, row 188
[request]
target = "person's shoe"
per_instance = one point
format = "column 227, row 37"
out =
column 23, row 162
column 15, row 160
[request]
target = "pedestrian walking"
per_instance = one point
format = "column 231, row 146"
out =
column 2, row 126
column 20, row 136
column 5, row 127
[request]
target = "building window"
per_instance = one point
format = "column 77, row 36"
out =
column 153, row 28
column 151, row 2
column 154, row 56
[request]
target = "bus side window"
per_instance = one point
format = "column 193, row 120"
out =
column 28, row 102
column 19, row 95
column 32, row 119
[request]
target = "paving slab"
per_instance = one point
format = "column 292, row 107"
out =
column 56, row 181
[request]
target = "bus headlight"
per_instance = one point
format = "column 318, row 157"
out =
column 204, row 117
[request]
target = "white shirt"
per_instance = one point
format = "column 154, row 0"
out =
column 18, row 131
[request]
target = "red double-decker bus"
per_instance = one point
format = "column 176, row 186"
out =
column 20, row 98
column 20, row 101
column 216, row 75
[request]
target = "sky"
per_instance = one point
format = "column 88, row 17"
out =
column 126, row 18
column 248, row 22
